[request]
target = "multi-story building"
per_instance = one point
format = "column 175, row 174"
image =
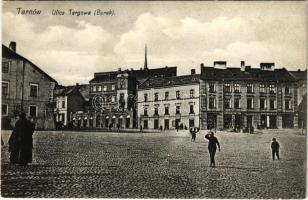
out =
column 247, row 97
column 168, row 103
column 301, row 77
column 113, row 95
column 69, row 100
column 25, row 88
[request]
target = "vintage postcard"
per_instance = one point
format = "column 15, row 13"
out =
column 154, row 99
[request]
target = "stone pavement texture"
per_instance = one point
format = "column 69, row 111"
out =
column 156, row 165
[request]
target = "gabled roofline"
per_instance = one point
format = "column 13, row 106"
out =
column 35, row 66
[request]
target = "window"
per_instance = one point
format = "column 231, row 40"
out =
column 237, row 88
column 287, row 104
column 113, row 98
column 156, row 96
column 211, row 87
column 113, row 87
column 191, row 109
column 249, row 88
column 33, row 90
column 192, row 93
column 227, row 103
column 122, row 84
column 178, row 96
column 227, row 88
column 236, row 103
column 212, row 102
column 63, row 104
column 178, row 110
column 166, row 95
column 99, row 88
column 33, row 111
column 155, row 111
column 262, row 104
column 5, row 67
column 5, row 88
column 262, row 88
column 249, row 103
column 105, row 88
column 272, row 89
column 287, row 90
column 145, row 97
column 4, row 110
column 272, row 104
column 145, row 112
column 166, row 110
column 94, row 88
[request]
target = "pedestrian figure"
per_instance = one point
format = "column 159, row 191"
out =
column 20, row 142
column 193, row 131
column 140, row 128
column 275, row 149
column 161, row 128
column 177, row 128
column 118, row 127
column 213, row 141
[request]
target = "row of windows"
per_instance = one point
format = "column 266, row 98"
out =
column 34, row 87
column 166, row 96
column 177, row 110
column 250, row 88
column 99, row 88
column 32, row 110
column 236, row 105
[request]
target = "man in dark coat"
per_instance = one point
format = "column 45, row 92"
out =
column 213, row 141
column 21, row 142
column 275, row 149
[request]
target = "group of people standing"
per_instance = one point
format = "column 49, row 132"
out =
column 21, row 142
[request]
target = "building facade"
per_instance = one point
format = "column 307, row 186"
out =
column 68, row 100
column 169, row 103
column 25, row 88
column 245, row 97
column 113, row 96
column 301, row 77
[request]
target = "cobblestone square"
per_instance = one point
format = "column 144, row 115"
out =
column 157, row 165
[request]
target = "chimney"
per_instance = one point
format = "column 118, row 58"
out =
column 242, row 65
column 267, row 66
column 119, row 69
column 220, row 64
column 202, row 65
column 12, row 46
column 193, row 71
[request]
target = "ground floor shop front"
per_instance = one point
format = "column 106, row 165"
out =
column 108, row 120
column 244, row 120
column 169, row 122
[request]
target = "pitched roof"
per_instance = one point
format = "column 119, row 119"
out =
column 138, row 74
column 104, row 77
column 157, row 82
column 299, row 75
column 252, row 74
column 66, row 90
column 8, row 53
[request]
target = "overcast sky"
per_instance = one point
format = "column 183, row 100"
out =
column 183, row 34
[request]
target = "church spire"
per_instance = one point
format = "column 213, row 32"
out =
column 145, row 58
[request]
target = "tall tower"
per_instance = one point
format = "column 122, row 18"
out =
column 145, row 58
